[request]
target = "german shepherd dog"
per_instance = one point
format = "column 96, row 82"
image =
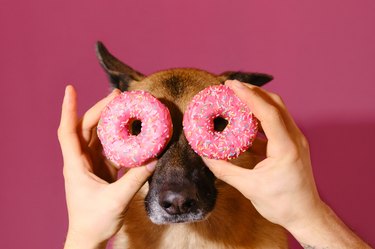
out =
column 183, row 205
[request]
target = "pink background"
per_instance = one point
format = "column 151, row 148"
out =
column 322, row 54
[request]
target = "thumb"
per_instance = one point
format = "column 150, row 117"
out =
column 238, row 177
column 128, row 185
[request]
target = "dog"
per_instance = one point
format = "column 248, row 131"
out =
column 182, row 205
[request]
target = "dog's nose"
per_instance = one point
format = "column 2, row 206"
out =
column 180, row 202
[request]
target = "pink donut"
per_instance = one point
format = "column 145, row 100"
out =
column 120, row 146
column 238, row 135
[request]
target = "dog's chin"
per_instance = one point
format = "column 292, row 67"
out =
column 172, row 219
column 160, row 217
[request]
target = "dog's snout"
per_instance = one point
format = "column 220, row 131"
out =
column 182, row 188
column 179, row 202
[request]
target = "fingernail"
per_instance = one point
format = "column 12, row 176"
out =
column 237, row 84
column 66, row 94
column 228, row 82
column 151, row 166
column 115, row 91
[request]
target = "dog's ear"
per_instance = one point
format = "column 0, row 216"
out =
column 257, row 79
column 120, row 75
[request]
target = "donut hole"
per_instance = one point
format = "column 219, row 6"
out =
column 220, row 123
column 135, row 127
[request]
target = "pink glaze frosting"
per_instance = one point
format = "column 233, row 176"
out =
column 238, row 135
column 120, row 146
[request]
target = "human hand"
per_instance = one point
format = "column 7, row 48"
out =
column 96, row 207
column 281, row 187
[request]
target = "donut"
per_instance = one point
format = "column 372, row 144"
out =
column 214, row 102
column 114, row 129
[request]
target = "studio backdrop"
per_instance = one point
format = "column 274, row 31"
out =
column 321, row 54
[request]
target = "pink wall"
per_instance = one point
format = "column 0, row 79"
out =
column 322, row 54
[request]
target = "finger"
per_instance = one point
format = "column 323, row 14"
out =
column 269, row 116
column 67, row 132
column 277, row 100
column 290, row 123
column 260, row 129
column 91, row 118
column 128, row 185
column 238, row 177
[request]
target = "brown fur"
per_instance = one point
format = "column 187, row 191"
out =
column 234, row 222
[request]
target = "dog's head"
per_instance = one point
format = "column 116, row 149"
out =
column 182, row 188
